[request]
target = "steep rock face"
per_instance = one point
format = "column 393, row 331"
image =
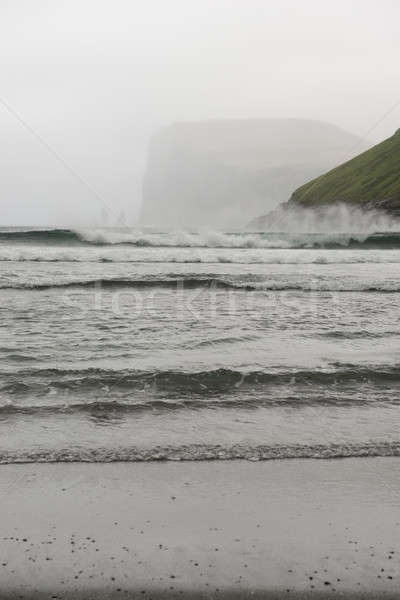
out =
column 216, row 173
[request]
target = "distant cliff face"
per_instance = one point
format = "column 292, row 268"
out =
column 222, row 173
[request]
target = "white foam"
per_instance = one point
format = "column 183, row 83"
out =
column 116, row 254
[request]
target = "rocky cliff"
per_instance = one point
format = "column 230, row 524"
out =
column 218, row 173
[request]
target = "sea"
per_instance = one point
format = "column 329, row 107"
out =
column 119, row 344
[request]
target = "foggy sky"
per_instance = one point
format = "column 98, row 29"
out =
column 95, row 79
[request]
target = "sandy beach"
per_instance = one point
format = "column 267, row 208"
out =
column 296, row 528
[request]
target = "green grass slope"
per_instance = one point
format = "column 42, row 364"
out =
column 370, row 177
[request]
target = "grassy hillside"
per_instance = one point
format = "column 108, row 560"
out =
column 372, row 176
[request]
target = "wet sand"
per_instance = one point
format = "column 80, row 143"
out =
column 294, row 528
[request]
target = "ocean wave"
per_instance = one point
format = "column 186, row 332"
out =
column 185, row 256
column 211, row 283
column 293, row 395
column 38, row 236
column 202, row 239
column 201, row 452
column 176, row 383
column 168, row 282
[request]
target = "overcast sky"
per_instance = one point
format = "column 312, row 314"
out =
column 95, row 79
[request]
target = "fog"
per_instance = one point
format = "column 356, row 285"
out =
column 84, row 86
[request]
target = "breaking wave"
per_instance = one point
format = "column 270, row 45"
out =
column 25, row 381
column 204, row 239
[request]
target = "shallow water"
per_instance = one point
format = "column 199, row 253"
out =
column 128, row 345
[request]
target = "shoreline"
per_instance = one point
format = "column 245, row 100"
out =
column 226, row 529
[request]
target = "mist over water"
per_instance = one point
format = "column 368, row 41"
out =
column 119, row 81
column 332, row 219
